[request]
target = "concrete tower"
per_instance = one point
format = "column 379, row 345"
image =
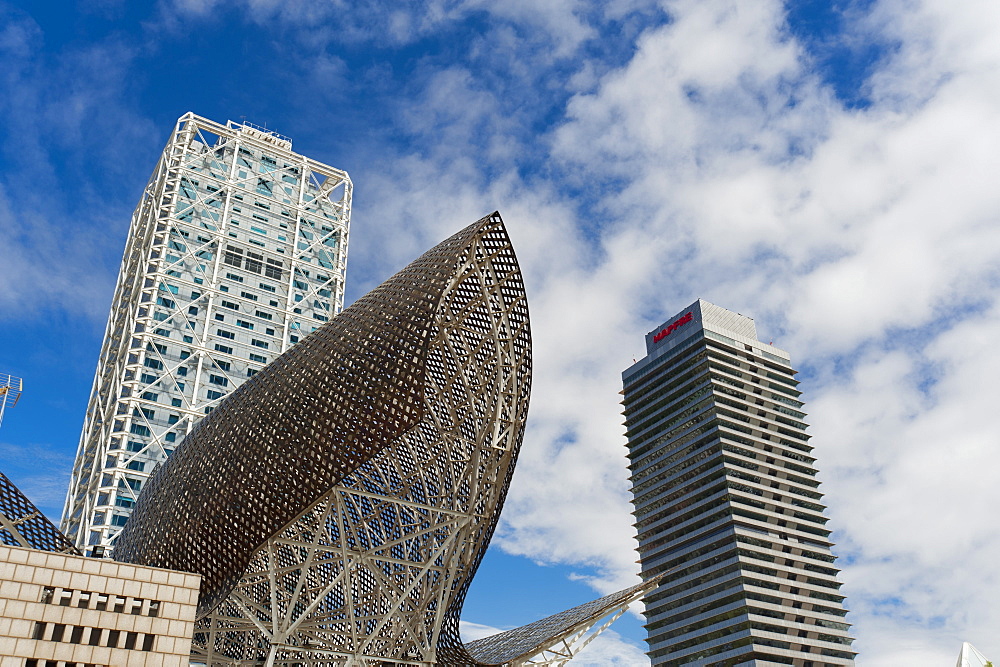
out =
column 727, row 502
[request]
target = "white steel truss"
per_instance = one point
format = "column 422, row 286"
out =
column 237, row 250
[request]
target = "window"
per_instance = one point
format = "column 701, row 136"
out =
column 155, row 364
column 244, row 324
column 220, row 317
column 134, row 484
column 146, row 412
column 149, row 396
column 160, row 317
column 269, row 332
column 258, row 358
column 230, row 305
column 259, row 343
column 170, row 437
column 138, row 466
column 134, row 446
column 273, row 303
column 146, row 378
column 185, row 354
column 233, row 256
column 251, row 372
column 269, row 288
column 139, row 429
column 255, row 262
column 127, row 503
column 321, row 318
column 226, row 334
column 219, row 380
column 176, row 402
column 212, row 395
column 223, row 288
column 273, row 269
column 188, row 339
column 248, row 295
column 234, row 277
column 173, row 419
column 224, row 365
column 166, row 303
column 192, row 310
column 162, row 332
column 294, row 339
column 264, row 316
column 117, row 520
column 225, row 349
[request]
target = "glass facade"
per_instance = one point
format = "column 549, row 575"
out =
column 727, row 503
column 237, row 250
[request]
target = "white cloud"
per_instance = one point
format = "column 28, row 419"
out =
column 715, row 162
column 848, row 234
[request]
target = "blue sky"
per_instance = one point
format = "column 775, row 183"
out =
column 827, row 168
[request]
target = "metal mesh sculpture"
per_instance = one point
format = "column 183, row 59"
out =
column 338, row 504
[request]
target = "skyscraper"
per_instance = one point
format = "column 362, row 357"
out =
column 727, row 502
column 237, row 250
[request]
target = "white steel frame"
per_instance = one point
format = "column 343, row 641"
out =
column 215, row 187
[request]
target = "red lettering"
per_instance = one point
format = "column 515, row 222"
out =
column 673, row 327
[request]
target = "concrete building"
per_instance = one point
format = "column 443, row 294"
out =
column 236, row 251
column 67, row 610
column 727, row 504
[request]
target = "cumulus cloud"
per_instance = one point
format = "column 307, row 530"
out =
column 709, row 157
column 717, row 162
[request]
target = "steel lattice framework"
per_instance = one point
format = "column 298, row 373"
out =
column 23, row 525
column 236, row 251
column 338, row 504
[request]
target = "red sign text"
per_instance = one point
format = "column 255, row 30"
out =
column 673, row 327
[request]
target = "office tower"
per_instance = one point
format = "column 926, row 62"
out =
column 236, row 251
column 726, row 501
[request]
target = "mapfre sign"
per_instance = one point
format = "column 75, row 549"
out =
column 681, row 321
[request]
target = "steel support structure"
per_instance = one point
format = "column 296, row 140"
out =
column 236, row 251
column 338, row 505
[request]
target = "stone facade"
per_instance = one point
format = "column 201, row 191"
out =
column 59, row 610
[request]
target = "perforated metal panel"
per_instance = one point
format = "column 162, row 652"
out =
column 344, row 497
column 23, row 525
column 533, row 640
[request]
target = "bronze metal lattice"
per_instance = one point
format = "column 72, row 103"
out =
column 339, row 503
column 23, row 525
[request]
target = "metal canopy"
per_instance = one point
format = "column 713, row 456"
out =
column 23, row 525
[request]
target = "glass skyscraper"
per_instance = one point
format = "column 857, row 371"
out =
column 726, row 501
column 237, row 250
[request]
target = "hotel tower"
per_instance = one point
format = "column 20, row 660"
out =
column 726, row 501
column 236, row 251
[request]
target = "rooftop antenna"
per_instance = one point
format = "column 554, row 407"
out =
column 10, row 392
